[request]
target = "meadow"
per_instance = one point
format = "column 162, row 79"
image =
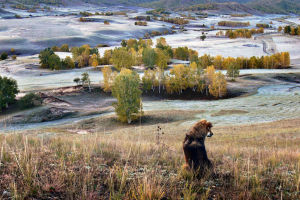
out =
column 144, row 161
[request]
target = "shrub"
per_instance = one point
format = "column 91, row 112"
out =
column 30, row 100
column 4, row 56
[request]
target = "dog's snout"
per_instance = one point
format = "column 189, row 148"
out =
column 210, row 134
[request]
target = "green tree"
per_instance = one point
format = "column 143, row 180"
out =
column 85, row 80
column 68, row 63
column 8, row 91
column 233, row 71
column 122, row 58
column 3, row 56
column 54, row 62
column 44, row 57
column 128, row 94
column 149, row 57
column 77, row 81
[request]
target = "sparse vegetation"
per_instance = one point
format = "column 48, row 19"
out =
column 252, row 162
column 30, row 100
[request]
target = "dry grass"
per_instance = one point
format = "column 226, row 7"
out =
column 142, row 162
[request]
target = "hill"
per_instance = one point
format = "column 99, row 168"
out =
column 266, row 6
column 276, row 6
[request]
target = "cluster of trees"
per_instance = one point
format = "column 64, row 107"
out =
column 85, row 56
column 81, row 57
column 62, row 48
column 263, row 26
column 176, row 20
column 181, row 78
column 140, row 23
column 240, row 33
column 278, row 60
column 8, row 92
column 233, row 24
column 88, row 14
column 138, row 52
column 158, row 12
column 49, row 60
column 241, row 15
column 291, row 30
column 143, row 18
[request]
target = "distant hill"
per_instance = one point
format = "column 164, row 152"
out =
column 267, row 6
column 276, row 6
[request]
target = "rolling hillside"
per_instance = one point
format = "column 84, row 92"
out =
column 267, row 6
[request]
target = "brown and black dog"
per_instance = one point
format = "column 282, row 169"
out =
column 194, row 147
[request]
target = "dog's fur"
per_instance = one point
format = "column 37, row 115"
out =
column 194, row 147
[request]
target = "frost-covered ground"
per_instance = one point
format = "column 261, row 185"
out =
column 288, row 43
column 216, row 46
column 30, row 35
column 295, row 20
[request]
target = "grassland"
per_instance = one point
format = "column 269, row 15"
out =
column 259, row 161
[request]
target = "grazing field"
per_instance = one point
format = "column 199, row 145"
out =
column 258, row 161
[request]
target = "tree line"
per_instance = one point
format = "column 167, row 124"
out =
column 275, row 61
column 141, row 52
column 205, row 82
column 240, row 33
column 291, row 30
column 233, row 24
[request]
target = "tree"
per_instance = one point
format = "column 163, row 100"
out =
column 124, row 43
column 85, row 80
column 108, row 77
column 44, row 57
column 64, row 48
column 203, row 36
column 149, row 57
column 279, row 28
column 128, row 94
column 218, row 87
column 233, row 71
column 68, row 63
column 77, row 81
column 54, row 62
column 162, row 59
column 3, row 56
column 93, row 61
column 182, row 53
column 122, row 58
column 8, row 91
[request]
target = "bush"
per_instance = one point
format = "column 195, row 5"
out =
column 4, row 56
column 30, row 100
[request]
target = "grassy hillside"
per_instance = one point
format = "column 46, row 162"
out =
column 276, row 6
column 250, row 162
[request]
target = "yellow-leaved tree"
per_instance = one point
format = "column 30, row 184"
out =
column 218, row 86
column 108, row 78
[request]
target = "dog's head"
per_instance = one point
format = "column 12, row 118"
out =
column 202, row 129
